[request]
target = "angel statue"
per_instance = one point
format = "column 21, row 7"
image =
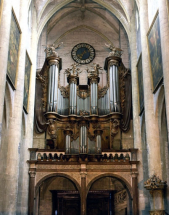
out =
column 51, row 50
column 114, row 51
column 95, row 70
column 74, row 70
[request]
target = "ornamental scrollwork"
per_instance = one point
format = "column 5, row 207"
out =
column 83, row 113
column 123, row 72
column 120, row 197
column 155, row 183
column 102, row 91
column 64, row 91
column 43, row 81
column 83, row 94
column 74, row 70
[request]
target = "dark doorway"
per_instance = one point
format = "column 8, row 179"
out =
column 65, row 202
column 100, row 203
column 108, row 196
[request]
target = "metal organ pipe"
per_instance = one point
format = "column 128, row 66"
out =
column 93, row 80
column 114, row 87
column 83, row 139
column 53, row 85
column 117, row 90
column 111, row 90
column 68, row 134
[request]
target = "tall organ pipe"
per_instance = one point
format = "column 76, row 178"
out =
column 53, row 84
column 114, row 86
column 73, row 81
column 93, row 81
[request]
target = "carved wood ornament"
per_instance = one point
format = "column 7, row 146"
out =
column 112, row 122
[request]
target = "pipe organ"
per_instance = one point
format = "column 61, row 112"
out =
column 83, row 119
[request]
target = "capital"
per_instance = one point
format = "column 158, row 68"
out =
column 32, row 174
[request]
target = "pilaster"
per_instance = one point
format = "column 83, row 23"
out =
column 152, row 131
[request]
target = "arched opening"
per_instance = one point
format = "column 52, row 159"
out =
column 58, row 195
column 108, row 195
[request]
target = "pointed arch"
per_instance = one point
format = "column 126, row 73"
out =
column 87, row 27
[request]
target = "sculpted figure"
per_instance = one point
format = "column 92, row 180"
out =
column 51, row 50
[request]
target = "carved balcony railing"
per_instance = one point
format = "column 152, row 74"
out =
column 118, row 157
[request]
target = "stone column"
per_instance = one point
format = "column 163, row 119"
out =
column 24, row 177
column 164, row 31
column 136, row 117
column 83, row 189
column 135, row 192
column 152, row 131
column 31, row 192
column 15, row 123
column 151, row 121
column 4, row 42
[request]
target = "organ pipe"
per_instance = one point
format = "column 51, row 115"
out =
column 114, row 86
column 53, row 85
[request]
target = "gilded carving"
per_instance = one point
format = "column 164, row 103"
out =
column 117, row 52
column 157, row 212
column 52, row 128
column 94, row 71
column 83, row 94
column 74, row 70
column 102, row 91
column 83, row 113
column 51, row 50
column 42, row 79
column 64, row 91
column 123, row 72
column 155, row 183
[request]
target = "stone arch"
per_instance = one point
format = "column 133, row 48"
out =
column 61, row 5
column 87, row 27
column 120, row 178
column 74, row 181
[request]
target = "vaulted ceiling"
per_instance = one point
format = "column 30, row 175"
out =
column 53, row 11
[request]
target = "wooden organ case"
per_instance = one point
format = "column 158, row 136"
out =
column 84, row 126
column 83, row 119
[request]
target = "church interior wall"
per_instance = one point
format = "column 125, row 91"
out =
column 98, row 27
